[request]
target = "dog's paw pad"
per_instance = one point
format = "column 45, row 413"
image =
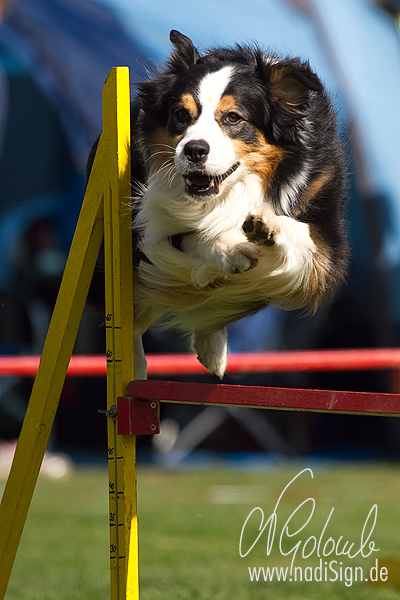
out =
column 259, row 231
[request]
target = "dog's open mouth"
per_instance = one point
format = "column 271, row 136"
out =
column 201, row 184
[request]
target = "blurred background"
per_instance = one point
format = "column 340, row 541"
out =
column 54, row 58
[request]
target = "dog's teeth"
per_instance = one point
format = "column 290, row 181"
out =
column 188, row 182
column 211, row 183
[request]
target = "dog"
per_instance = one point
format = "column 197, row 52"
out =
column 240, row 185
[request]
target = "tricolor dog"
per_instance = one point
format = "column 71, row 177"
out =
column 239, row 185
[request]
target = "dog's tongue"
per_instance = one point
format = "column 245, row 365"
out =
column 200, row 180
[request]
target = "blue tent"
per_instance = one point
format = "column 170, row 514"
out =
column 54, row 58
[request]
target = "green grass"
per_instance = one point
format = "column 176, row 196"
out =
column 189, row 529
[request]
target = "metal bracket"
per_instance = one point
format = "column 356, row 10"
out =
column 137, row 417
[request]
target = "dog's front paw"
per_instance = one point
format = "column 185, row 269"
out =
column 262, row 228
column 243, row 258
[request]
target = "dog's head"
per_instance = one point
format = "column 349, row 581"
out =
column 209, row 120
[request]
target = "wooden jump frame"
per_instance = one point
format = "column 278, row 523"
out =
column 132, row 406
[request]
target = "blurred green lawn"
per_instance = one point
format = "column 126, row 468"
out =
column 189, row 528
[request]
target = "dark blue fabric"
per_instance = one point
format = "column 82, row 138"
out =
column 55, row 56
column 69, row 47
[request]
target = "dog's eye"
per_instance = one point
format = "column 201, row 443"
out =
column 182, row 115
column 232, row 118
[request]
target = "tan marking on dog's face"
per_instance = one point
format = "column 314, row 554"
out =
column 226, row 104
column 189, row 104
column 162, row 149
column 260, row 157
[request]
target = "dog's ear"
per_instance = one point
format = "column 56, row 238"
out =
column 185, row 54
column 290, row 84
column 152, row 93
column 289, row 81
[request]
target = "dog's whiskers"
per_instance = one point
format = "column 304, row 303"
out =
column 152, row 156
column 171, row 174
column 165, row 170
column 163, row 146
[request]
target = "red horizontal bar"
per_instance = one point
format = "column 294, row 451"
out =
column 290, row 361
column 249, row 362
column 27, row 366
column 266, row 397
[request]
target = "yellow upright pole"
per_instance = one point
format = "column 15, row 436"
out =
column 50, row 376
column 109, row 181
column 119, row 331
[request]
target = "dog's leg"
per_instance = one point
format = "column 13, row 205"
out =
column 228, row 253
column 212, row 350
column 139, row 359
column 233, row 253
column 296, row 267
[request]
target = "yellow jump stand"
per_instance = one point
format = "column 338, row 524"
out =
column 105, row 213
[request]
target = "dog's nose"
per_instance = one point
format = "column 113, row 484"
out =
column 196, row 150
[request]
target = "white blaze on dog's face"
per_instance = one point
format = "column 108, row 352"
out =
column 204, row 146
column 205, row 155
